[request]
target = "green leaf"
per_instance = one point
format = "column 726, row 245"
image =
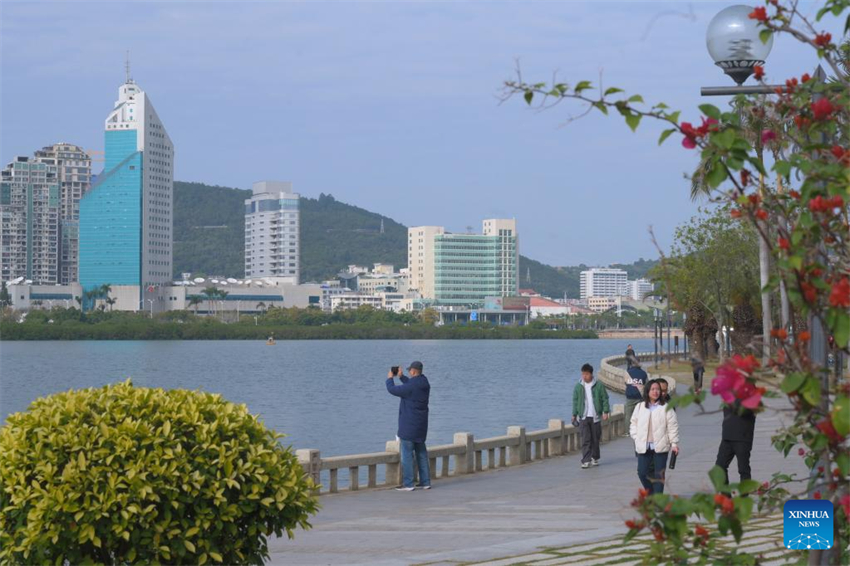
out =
column 528, row 96
column 666, row 134
column 764, row 35
column 716, row 175
column 748, row 486
column 192, row 531
column 633, row 120
column 744, row 507
column 582, row 85
column 717, row 477
column 216, row 556
column 796, row 262
column 792, row 382
column 782, row 168
column 189, row 546
column 840, row 324
column 636, row 98
column 811, row 391
column 724, row 138
column 841, row 415
column 612, row 90
column 842, row 460
column 674, row 116
column 601, row 107
column 710, row 110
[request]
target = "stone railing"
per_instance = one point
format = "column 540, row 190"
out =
column 468, row 455
column 612, row 371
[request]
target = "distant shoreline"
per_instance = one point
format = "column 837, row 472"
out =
column 11, row 331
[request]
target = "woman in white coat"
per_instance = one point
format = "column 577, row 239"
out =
column 655, row 431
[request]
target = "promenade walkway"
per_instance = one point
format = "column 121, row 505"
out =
column 536, row 513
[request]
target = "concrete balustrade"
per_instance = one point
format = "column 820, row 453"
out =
column 515, row 448
column 612, row 370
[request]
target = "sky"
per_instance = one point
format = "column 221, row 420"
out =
column 391, row 106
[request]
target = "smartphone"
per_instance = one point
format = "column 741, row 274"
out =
column 394, row 369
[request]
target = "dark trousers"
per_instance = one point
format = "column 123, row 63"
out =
column 735, row 449
column 591, row 436
column 651, row 466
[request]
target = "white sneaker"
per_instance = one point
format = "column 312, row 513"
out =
column 424, row 486
column 402, row 488
column 585, row 465
column 594, row 462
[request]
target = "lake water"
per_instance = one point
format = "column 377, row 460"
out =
column 328, row 395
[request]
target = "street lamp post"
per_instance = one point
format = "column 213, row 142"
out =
column 151, row 302
column 733, row 41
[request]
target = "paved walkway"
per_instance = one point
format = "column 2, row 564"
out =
column 540, row 513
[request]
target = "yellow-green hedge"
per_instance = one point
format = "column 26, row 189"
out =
column 126, row 474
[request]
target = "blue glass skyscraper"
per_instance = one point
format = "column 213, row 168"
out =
column 126, row 218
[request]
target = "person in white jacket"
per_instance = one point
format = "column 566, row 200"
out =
column 655, row 431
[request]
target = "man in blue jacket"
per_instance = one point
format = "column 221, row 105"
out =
column 413, row 394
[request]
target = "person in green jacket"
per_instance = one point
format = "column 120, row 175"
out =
column 590, row 408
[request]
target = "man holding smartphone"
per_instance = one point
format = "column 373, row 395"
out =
column 413, row 394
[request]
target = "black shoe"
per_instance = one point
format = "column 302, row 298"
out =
column 420, row 486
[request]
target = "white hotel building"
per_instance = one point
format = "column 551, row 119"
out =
column 272, row 232
column 602, row 282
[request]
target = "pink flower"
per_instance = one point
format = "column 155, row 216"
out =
column 728, row 381
column 767, row 136
column 753, row 401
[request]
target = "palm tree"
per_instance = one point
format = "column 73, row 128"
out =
column 111, row 301
column 211, row 294
column 194, row 301
column 221, row 296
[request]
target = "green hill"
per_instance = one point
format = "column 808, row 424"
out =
column 209, row 225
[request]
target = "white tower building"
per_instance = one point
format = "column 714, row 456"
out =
column 272, row 232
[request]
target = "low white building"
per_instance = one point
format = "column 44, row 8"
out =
column 540, row 307
column 348, row 301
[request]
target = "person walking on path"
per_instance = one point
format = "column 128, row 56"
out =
column 635, row 380
column 590, row 407
column 630, row 353
column 655, row 431
column 413, row 394
column 699, row 370
column 736, row 441
column 665, row 389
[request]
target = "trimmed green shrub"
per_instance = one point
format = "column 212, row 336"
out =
column 126, row 474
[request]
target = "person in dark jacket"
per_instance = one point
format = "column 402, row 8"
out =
column 737, row 440
column 630, row 353
column 699, row 371
column 413, row 394
column 635, row 380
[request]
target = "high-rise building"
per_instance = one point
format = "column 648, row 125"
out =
column 29, row 221
column 638, row 289
column 126, row 218
column 73, row 171
column 272, row 232
column 464, row 269
column 602, row 282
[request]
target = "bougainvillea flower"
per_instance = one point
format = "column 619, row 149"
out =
column 784, row 243
column 747, row 364
column 758, row 72
column 822, row 109
column 759, row 13
column 767, row 136
column 839, row 297
column 727, row 381
column 827, row 428
column 844, row 503
column 823, row 39
column 805, row 78
column 753, row 399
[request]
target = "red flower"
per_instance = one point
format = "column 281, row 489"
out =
column 758, row 72
column 727, row 381
column 631, row 524
column 838, row 152
column 745, row 177
column 837, row 201
column 822, row 109
column 780, row 333
column 784, row 244
column 793, row 194
column 761, row 214
column 767, row 136
column 805, row 78
column 753, row 198
column 810, row 293
column 747, row 365
column 823, row 39
column 735, row 213
column 701, row 531
column 759, row 14
column 816, row 495
column 839, row 297
column 801, row 452
column 827, row 428
column 844, row 502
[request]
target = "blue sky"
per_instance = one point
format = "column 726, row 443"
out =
column 392, row 106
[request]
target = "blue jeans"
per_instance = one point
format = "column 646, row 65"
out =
column 410, row 448
column 651, row 466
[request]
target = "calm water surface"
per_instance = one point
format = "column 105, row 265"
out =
column 328, row 395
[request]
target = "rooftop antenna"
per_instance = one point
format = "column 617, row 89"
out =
column 382, row 225
column 127, row 67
